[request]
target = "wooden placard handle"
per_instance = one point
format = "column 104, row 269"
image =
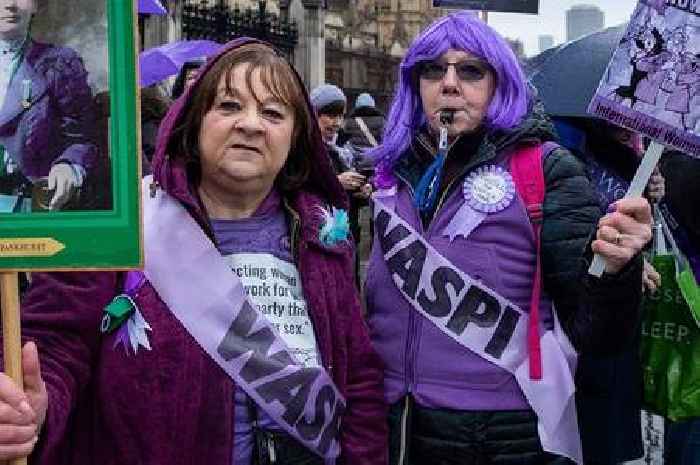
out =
column 636, row 189
column 11, row 334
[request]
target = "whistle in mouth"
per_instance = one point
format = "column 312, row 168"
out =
column 446, row 117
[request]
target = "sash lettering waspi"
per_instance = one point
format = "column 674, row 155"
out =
column 484, row 322
column 193, row 279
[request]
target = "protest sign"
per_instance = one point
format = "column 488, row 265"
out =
column 504, row 6
column 69, row 147
column 69, row 170
column 652, row 83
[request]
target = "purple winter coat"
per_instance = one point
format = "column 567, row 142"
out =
column 173, row 405
column 58, row 126
column 598, row 315
column 437, row 370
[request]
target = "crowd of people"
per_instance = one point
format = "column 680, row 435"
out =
column 477, row 337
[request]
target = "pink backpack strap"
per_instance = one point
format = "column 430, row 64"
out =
column 526, row 167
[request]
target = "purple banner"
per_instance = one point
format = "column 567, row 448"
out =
column 652, row 83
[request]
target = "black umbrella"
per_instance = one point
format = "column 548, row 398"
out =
column 567, row 77
column 530, row 65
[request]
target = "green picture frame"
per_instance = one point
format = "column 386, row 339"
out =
column 107, row 237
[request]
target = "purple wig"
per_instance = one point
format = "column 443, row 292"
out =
column 460, row 31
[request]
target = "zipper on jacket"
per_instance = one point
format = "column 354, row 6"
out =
column 405, row 422
column 295, row 244
column 449, row 186
column 410, row 356
column 271, row 449
column 447, row 190
column 294, row 231
column 414, row 324
column 467, row 167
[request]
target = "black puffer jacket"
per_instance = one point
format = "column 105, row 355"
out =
column 682, row 173
column 598, row 314
column 608, row 388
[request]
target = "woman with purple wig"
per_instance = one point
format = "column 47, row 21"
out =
column 477, row 292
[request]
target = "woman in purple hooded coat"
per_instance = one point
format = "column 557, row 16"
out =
column 479, row 366
column 241, row 342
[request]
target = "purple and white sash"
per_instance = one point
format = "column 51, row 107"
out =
column 484, row 322
column 197, row 284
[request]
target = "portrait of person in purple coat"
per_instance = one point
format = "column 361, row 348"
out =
column 241, row 342
column 47, row 133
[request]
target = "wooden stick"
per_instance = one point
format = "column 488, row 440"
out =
column 11, row 334
column 636, row 189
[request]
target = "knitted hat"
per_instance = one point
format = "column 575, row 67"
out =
column 326, row 94
column 364, row 100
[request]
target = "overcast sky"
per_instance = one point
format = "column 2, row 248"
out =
column 552, row 20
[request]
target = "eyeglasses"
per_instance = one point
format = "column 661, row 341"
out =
column 467, row 70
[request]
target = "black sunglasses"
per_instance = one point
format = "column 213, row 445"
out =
column 467, row 70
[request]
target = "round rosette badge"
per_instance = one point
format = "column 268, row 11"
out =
column 489, row 189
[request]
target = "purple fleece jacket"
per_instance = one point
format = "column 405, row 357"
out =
column 173, row 405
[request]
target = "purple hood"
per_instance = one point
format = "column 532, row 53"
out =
column 169, row 169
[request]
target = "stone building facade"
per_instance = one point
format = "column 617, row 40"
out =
column 355, row 44
column 296, row 26
column 366, row 39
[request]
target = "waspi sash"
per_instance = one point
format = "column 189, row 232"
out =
column 194, row 280
column 484, row 322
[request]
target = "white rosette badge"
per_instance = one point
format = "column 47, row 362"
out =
column 489, row 189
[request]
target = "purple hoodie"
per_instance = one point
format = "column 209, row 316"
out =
column 173, row 405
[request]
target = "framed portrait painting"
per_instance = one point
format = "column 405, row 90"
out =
column 69, row 137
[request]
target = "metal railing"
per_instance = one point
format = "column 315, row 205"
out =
column 214, row 20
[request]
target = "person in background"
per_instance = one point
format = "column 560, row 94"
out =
column 47, row 134
column 241, row 342
column 329, row 102
column 154, row 106
column 682, row 172
column 456, row 251
column 611, row 155
column 609, row 387
column 362, row 130
column 186, row 77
